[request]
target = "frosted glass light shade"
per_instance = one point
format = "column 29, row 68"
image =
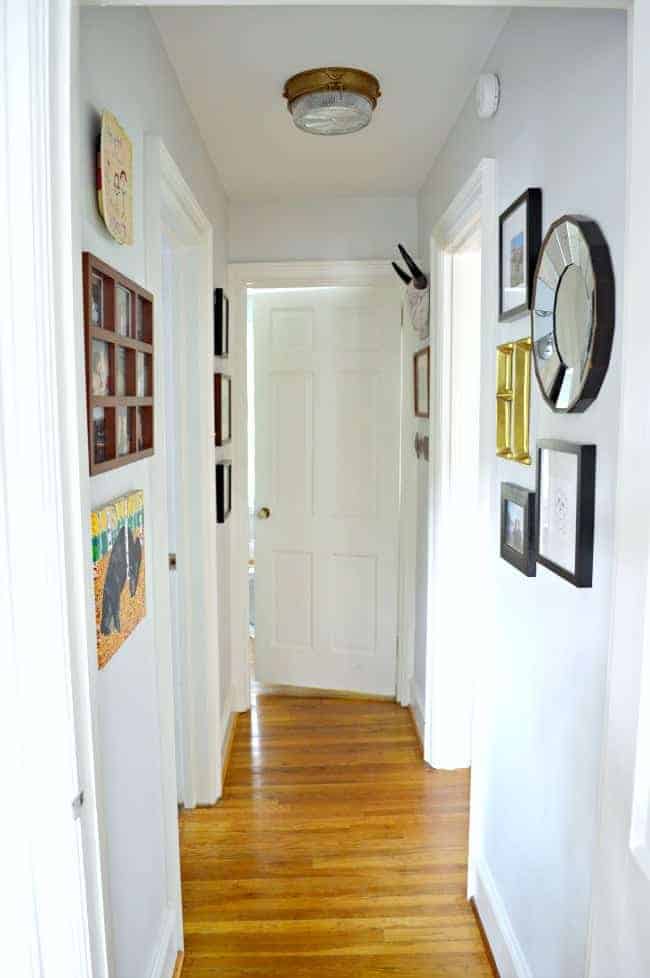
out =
column 331, row 113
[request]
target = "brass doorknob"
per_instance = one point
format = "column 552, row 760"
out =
column 263, row 513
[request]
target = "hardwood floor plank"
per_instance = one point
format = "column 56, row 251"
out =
column 334, row 852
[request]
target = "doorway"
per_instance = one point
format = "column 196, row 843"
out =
column 321, row 544
column 460, row 464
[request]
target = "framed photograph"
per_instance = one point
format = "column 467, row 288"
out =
column 221, row 324
column 520, row 239
column 122, row 311
column 100, row 369
column 224, row 489
column 518, row 528
column 421, row 383
column 123, row 435
column 566, row 492
column 97, row 300
column 222, row 409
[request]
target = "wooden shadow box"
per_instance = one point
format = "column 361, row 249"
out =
column 118, row 327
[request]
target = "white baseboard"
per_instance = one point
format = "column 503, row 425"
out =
column 163, row 960
column 417, row 710
column 226, row 716
column 507, row 950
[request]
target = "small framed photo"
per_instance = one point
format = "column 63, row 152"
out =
column 123, row 432
column 518, row 527
column 566, row 493
column 224, row 489
column 100, row 376
column 520, row 239
column 221, row 324
column 97, row 301
column 222, row 409
column 122, row 311
column 421, row 380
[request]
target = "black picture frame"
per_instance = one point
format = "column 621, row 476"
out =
column 531, row 199
column 222, row 419
column 223, row 478
column 585, row 500
column 523, row 559
column 221, row 324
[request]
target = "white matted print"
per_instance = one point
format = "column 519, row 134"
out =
column 512, row 259
column 558, row 506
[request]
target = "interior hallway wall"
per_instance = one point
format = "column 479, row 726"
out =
column 561, row 127
column 321, row 228
column 124, row 69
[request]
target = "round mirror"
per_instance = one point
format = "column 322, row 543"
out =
column 572, row 313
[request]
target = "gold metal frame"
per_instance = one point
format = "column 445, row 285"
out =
column 332, row 79
column 513, row 400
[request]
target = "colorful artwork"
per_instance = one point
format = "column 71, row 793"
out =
column 118, row 570
column 115, row 179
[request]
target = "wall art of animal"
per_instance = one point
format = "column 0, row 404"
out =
column 416, row 297
column 118, row 572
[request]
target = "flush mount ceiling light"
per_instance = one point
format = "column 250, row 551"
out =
column 332, row 101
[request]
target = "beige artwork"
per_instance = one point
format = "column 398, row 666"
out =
column 115, row 179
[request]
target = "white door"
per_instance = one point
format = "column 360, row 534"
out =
column 327, row 427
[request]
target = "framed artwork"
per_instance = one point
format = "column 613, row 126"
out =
column 520, row 238
column 224, row 489
column 421, row 380
column 566, row 492
column 221, row 324
column 115, row 179
column 222, row 409
column 513, row 400
column 518, row 528
column 118, row 326
column 117, row 531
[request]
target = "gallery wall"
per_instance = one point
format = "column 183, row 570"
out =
column 561, row 127
column 321, row 228
column 124, row 68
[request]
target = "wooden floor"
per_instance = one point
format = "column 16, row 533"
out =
column 335, row 852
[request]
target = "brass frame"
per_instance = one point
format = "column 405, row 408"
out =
column 332, row 79
column 513, row 400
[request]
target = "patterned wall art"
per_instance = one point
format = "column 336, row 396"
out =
column 118, row 572
column 115, row 179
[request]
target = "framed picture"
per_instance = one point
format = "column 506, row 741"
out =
column 421, row 383
column 518, row 528
column 224, row 489
column 123, row 311
column 520, row 239
column 222, row 409
column 221, row 324
column 117, row 531
column 97, row 300
column 566, row 492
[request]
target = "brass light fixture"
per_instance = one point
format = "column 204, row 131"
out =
column 332, row 101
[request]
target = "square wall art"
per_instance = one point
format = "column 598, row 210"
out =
column 118, row 572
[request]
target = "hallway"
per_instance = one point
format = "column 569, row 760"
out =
column 334, row 851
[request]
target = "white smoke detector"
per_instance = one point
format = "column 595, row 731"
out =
column 487, row 94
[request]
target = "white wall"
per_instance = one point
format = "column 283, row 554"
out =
column 124, row 68
column 561, row 126
column 322, row 228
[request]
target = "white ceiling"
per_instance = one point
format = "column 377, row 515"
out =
column 232, row 63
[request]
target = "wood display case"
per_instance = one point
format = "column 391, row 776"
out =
column 118, row 328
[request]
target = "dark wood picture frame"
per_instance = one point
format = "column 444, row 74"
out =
column 532, row 200
column 222, row 425
column 106, row 349
column 523, row 560
column 585, row 511
column 223, row 475
column 424, row 352
column 221, row 324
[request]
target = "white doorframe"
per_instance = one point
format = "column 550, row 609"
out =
column 473, row 207
column 51, row 879
column 262, row 275
column 170, row 202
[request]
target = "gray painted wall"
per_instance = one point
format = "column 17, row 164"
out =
column 561, row 126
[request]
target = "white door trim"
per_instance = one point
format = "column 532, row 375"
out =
column 242, row 276
column 53, row 913
column 474, row 206
column 170, row 201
